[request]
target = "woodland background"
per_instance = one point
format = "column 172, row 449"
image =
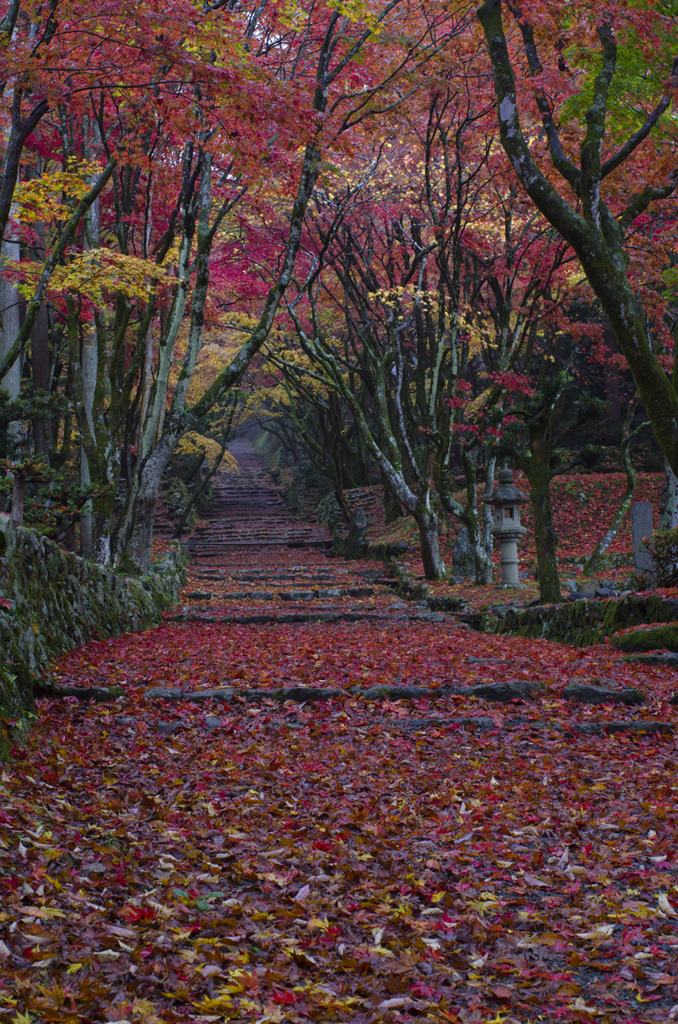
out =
column 404, row 240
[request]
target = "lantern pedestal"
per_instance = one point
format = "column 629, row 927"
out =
column 508, row 543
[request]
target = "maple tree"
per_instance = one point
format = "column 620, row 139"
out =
column 626, row 158
column 443, row 286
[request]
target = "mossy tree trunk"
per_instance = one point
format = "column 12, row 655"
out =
column 538, row 471
column 392, row 507
column 469, row 515
column 427, row 521
column 594, row 563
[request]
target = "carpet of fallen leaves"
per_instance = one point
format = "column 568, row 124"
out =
column 437, row 859
column 339, row 861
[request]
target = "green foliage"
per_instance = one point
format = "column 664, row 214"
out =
column 591, row 456
column 635, row 77
column 664, row 551
column 55, row 504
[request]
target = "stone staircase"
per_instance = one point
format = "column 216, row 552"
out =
column 248, row 512
column 254, row 561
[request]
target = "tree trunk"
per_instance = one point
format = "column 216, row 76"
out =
column 136, row 557
column 40, row 354
column 40, row 367
column 481, row 560
column 546, row 541
column 434, row 567
column 488, row 518
column 9, row 325
column 668, row 516
column 18, row 491
column 86, row 540
column 88, row 370
column 594, row 563
column 392, row 506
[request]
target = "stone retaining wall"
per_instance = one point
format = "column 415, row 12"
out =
column 52, row 601
column 581, row 622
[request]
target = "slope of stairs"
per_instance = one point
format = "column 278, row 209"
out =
column 247, row 511
column 253, row 561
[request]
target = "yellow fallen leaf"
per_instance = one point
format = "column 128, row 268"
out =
column 603, row 931
column 74, row 968
column 45, row 913
column 316, row 924
column 22, row 1018
column 665, row 906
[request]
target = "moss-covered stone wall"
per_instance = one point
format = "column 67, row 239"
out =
column 581, row 622
column 51, row 601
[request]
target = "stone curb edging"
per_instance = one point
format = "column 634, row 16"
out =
column 667, row 658
column 96, row 693
column 478, row 723
column 290, row 617
column 501, row 692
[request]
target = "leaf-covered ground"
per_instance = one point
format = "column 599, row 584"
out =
column 442, row 858
column 583, row 509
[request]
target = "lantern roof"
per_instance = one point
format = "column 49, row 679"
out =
column 506, row 493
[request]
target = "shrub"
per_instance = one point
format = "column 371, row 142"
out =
column 664, row 551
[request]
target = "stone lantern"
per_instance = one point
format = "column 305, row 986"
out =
column 507, row 500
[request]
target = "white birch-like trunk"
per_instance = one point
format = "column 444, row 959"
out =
column 10, row 324
column 88, row 368
column 668, row 518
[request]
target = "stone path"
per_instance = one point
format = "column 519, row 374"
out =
column 253, row 562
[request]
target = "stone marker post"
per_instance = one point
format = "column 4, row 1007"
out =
column 462, row 558
column 356, row 542
column 641, row 528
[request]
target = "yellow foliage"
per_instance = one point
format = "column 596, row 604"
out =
column 102, row 270
column 211, row 361
column 193, row 443
column 476, row 407
column 42, row 199
column 92, row 273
